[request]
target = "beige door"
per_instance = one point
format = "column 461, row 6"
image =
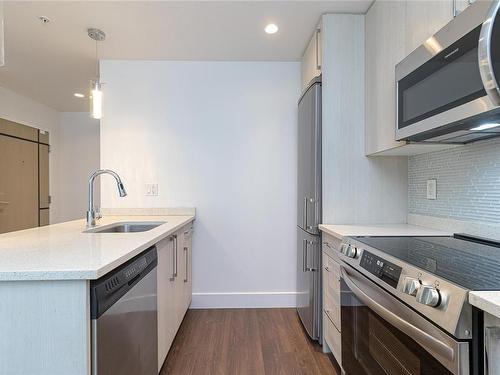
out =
column 18, row 184
column 44, row 175
column 44, row 217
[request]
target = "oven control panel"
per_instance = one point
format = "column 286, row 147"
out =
column 381, row 268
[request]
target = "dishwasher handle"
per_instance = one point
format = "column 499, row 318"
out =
column 107, row 290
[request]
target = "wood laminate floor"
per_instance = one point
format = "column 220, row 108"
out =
column 245, row 341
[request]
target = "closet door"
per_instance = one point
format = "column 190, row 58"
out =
column 18, row 184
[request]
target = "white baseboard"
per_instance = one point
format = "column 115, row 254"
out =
column 244, row 300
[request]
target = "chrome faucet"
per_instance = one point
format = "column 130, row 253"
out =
column 92, row 214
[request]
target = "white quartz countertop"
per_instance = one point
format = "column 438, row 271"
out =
column 64, row 252
column 340, row 231
column 488, row 301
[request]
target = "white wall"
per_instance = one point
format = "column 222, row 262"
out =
column 219, row 136
column 74, row 145
column 79, row 157
column 18, row 108
column 356, row 189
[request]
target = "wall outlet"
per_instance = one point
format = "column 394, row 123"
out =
column 151, row 190
column 432, row 189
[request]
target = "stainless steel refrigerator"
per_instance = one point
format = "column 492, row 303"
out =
column 309, row 209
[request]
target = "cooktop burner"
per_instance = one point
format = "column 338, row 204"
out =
column 467, row 261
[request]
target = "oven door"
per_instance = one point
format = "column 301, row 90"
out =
column 381, row 335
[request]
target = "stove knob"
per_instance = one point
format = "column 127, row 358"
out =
column 351, row 251
column 343, row 247
column 428, row 295
column 411, row 286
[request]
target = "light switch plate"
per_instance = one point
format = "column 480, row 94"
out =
column 151, row 190
column 432, row 189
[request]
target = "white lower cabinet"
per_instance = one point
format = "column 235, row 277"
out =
column 174, row 287
column 331, row 305
column 187, row 261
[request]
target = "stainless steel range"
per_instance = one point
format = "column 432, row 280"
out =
column 404, row 304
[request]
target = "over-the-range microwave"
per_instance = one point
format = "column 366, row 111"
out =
column 447, row 90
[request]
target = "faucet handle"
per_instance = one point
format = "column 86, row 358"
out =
column 98, row 215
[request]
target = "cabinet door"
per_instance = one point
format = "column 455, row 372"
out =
column 18, row 184
column 384, row 48
column 187, row 267
column 179, row 278
column 424, row 19
column 166, row 297
column 311, row 61
column 461, row 5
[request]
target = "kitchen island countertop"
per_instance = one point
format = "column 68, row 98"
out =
column 65, row 252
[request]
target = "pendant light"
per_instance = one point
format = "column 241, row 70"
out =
column 95, row 84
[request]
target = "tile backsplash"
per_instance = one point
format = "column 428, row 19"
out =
column 468, row 183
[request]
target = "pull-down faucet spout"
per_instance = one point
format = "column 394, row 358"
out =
column 92, row 215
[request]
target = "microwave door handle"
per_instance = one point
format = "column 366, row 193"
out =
column 423, row 338
column 490, row 82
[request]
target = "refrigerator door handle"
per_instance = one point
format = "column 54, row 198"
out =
column 314, row 268
column 304, row 255
column 312, row 227
column 304, row 221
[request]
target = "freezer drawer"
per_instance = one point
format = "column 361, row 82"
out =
column 309, row 282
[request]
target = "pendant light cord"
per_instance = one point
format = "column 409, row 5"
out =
column 97, row 63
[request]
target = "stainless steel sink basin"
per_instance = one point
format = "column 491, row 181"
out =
column 132, row 227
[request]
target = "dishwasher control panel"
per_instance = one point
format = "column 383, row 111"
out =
column 135, row 268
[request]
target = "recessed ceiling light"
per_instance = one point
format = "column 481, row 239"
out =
column 78, row 95
column 271, row 28
column 486, row 126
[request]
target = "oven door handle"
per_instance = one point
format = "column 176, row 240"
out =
column 427, row 341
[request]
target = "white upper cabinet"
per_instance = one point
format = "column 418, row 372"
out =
column 393, row 30
column 311, row 61
column 424, row 19
column 384, row 48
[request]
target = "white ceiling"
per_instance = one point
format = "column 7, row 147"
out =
column 49, row 62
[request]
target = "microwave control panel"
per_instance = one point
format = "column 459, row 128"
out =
column 381, row 268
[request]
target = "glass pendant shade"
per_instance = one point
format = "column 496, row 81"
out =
column 95, row 100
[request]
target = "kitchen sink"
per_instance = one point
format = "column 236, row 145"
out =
column 132, row 227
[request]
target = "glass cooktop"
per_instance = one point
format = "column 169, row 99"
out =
column 469, row 262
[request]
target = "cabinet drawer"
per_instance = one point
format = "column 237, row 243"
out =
column 331, row 289
column 333, row 338
column 331, row 245
column 332, row 276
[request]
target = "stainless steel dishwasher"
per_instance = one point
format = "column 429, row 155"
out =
column 124, row 318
